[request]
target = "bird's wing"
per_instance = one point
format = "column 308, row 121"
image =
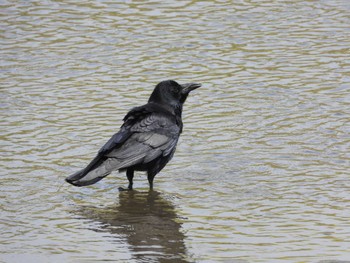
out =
column 151, row 137
column 140, row 119
column 115, row 141
column 143, row 137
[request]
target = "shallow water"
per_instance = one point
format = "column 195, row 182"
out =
column 261, row 172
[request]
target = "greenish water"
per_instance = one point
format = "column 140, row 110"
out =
column 261, row 172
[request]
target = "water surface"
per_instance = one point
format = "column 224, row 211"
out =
column 261, row 173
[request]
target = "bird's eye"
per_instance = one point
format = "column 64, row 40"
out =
column 174, row 90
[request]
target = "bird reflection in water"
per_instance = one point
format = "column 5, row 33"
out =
column 149, row 223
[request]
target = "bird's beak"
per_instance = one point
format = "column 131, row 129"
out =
column 188, row 87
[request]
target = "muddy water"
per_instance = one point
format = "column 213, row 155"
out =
column 261, row 173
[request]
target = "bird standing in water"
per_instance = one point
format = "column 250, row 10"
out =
column 145, row 142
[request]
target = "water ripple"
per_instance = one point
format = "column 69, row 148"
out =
column 261, row 171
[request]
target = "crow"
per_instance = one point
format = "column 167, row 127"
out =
column 145, row 142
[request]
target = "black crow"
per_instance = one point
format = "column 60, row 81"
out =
column 145, row 142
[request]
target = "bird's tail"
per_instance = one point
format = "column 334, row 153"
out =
column 101, row 166
column 86, row 179
column 94, row 172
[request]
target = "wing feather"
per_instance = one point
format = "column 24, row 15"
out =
column 139, row 150
column 144, row 136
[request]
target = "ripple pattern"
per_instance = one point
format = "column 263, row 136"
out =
column 261, row 173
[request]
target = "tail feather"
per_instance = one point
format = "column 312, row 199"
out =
column 94, row 172
column 86, row 178
column 100, row 167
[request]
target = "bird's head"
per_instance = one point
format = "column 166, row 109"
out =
column 170, row 93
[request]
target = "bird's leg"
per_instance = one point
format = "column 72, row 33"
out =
column 130, row 176
column 150, row 177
